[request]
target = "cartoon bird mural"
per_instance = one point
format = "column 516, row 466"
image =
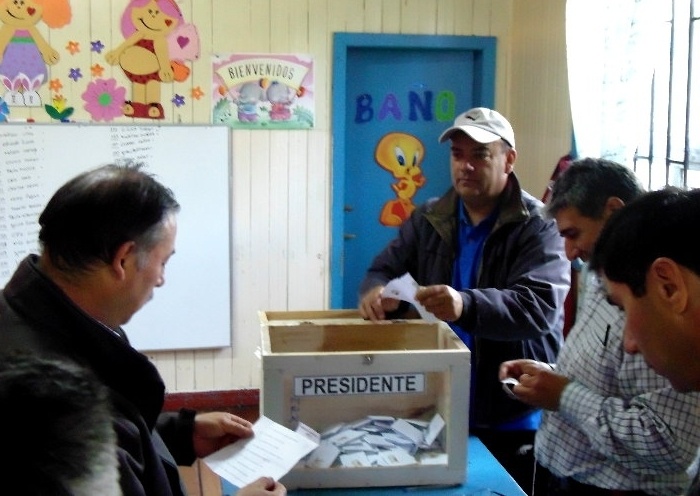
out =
column 401, row 154
column 24, row 52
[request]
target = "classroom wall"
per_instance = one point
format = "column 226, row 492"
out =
column 281, row 180
column 281, row 240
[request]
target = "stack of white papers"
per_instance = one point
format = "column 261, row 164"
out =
column 379, row 440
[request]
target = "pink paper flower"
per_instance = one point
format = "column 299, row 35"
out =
column 104, row 99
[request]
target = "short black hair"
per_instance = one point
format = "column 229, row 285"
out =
column 657, row 224
column 56, row 428
column 93, row 214
column 587, row 184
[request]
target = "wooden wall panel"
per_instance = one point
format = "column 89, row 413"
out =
column 279, row 217
column 464, row 17
column 538, row 90
column 391, row 16
column 281, row 181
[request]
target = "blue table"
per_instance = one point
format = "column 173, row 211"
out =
column 485, row 477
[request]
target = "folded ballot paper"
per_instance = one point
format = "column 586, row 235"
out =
column 379, row 441
column 271, row 452
column 404, row 288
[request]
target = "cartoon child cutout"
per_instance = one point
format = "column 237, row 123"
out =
column 24, row 53
column 153, row 30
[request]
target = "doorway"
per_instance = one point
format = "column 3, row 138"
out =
column 392, row 97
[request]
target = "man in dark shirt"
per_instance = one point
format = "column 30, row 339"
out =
column 106, row 236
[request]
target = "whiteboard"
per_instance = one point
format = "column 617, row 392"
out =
column 193, row 308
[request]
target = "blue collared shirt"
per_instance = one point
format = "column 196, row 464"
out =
column 470, row 246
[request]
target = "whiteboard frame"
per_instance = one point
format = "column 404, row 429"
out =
column 193, row 309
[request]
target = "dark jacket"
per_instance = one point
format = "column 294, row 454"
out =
column 516, row 309
column 37, row 317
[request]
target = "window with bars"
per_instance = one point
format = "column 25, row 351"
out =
column 668, row 151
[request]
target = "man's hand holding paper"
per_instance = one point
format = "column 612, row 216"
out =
column 441, row 301
column 374, row 307
column 270, row 453
column 407, row 289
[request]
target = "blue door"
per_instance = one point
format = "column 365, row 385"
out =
column 392, row 97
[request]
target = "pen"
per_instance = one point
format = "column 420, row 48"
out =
column 607, row 333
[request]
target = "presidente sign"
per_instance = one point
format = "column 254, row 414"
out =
column 359, row 384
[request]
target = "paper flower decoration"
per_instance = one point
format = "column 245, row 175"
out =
column 197, row 93
column 178, row 100
column 75, row 74
column 96, row 46
column 55, row 85
column 73, row 47
column 60, row 109
column 104, row 99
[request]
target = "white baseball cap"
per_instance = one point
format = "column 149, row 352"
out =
column 482, row 125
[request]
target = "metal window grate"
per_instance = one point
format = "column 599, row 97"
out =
column 669, row 152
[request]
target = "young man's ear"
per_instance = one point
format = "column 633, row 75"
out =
column 666, row 278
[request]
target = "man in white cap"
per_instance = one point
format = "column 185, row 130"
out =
column 493, row 267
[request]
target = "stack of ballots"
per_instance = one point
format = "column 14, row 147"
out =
column 379, row 440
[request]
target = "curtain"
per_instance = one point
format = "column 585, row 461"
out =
column 610, row 47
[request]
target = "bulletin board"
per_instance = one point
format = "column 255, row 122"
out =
column 193, row 309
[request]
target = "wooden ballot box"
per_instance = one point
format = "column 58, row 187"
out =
column 331, row 368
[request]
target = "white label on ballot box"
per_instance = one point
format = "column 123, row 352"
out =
column 359, row 384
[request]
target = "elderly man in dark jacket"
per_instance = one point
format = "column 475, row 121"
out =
column 493, row 267
column 106, row 238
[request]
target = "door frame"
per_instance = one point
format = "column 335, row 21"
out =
column 484, row 53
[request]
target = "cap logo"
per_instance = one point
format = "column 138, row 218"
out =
column 482, row 125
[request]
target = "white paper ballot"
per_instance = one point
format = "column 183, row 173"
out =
column 323, row 456
column 434, row 428
column 271, row 452
column 404, row 288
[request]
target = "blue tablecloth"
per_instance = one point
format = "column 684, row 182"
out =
column 485, row 477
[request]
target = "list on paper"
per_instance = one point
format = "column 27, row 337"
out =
column 271, row 452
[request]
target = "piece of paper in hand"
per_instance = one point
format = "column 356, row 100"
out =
column 404, row 288
column 271, row 452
